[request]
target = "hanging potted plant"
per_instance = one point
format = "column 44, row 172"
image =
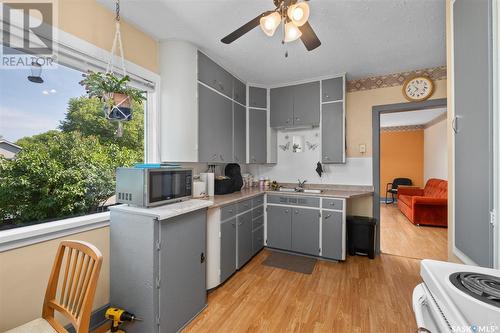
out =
column 115, row 91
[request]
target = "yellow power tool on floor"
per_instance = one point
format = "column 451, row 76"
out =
column 118, row 317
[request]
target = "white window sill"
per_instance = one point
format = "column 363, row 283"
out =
column 24, row 236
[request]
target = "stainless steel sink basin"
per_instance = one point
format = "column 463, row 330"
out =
column 287, row 189
column 312, row 191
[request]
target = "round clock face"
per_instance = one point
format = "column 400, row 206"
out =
column 418, row 89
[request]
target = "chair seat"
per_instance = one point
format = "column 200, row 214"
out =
column 406, row 199
column 393, row 190
column 38, row 325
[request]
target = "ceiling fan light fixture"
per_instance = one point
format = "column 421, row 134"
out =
column 270, row 23
column 292, row 32
column 298, row 13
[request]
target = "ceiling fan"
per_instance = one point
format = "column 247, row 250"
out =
column 294, row 16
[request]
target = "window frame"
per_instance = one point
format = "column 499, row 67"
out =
column 82, row 55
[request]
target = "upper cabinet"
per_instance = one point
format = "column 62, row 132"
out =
column 333, row 120
column 239, row 133
column 214, row 75
column 239, row 91
column 332, row 89
column 258, row 97
column 295, row 106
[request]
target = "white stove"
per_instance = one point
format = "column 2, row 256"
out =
column 457, row 298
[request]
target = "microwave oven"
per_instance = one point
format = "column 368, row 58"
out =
column 145, row 187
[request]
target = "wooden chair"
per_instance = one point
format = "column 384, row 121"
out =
column 81, row 263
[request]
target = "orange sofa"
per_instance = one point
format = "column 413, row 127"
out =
column 428, row 206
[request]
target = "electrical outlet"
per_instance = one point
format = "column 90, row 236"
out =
column 362, row 148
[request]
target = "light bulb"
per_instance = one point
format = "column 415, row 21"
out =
column 270, row 23
column 292, row 32
column 298, row 13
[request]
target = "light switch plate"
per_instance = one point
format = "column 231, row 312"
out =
column 362, row 148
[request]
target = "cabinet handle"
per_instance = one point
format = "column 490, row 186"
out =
column 332, row 203
column 214, row 157
column 221, row 158
column 296, row 212
column 298, row 119
column 202, row 258
column 286, row 210
column 328, row 216
column 327, row 158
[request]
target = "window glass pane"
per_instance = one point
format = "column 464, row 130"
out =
column 58, row 153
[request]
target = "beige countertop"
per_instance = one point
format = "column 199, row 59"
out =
column 332, row 191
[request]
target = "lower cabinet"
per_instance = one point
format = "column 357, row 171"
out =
column 257, row 239
column 305, row 231
column 244, row 234
column 332, row 235
column 227, row 249
column 279, row 227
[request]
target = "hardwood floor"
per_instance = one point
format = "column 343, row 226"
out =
column 359, row 295
column 400, row 237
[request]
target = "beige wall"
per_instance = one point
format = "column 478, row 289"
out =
column 95, row 24
column 359, row 114
column 24, row 273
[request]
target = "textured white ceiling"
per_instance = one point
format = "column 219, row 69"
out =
column 360, row 37
column 410, row 118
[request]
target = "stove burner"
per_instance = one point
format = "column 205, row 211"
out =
column 483, row 287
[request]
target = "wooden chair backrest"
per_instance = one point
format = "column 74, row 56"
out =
column 72, row 294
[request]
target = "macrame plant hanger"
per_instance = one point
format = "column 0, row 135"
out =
column 113, row 105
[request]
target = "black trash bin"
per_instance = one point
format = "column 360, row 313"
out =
column 361, row 235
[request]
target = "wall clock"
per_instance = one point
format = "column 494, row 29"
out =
column 417, row 89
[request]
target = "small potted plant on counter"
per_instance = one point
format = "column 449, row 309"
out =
column 115, row 91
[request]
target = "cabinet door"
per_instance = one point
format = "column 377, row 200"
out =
column 474, row 143
column 239, row 133
column 305, row 231
column 239, row 91
column 306, row 104
column 214, row 75
column 332, row 89
column 258, row 136
column 215, row 130
column 282, row 107
column 257, row 240
column 332, row 133
column 258, row 97
column 244, row 232
column 279, row 227
column 227, row 249
column 182, row 269
column 332, row 235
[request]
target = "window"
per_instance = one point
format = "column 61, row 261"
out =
column 58, row 153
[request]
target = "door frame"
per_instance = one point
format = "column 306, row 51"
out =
column 377, row 110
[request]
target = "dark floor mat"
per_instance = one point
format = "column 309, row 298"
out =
column 294, row 263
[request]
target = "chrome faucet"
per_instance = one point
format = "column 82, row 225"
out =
column 302, row 183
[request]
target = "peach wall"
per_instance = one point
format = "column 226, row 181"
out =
column 90, row 21
column 24, row 273
column 401, row 155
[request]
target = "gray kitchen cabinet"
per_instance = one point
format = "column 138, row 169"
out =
column 257, row 136
column 306, row 104
column 332, row 235
column 239, row 133
column 257, row 240
column 474, row 139
column 244, row 236
column 182, row 269
column 332, row 89
column 214, row 75
column 215, row 132
column 227, row 249
column 281, row 107
column 257, row 97
column 332, row 133
column 239, row 91
column 305, row 230
column 167, row 286
column 279, row 227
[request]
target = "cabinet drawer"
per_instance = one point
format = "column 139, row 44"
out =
column 243, row 206
column 337, row 204
column 259, row 211
column 258, row 222
column 257, row 201
column 258, row 97
column 228, row 211
column 303, row 201
column 277, row 199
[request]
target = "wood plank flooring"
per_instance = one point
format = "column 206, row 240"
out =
column 359, row 295
column 399, row 236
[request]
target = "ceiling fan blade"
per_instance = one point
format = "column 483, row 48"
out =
column 309, row 38
column 244, row 29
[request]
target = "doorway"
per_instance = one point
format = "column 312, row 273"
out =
column 400, row 235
